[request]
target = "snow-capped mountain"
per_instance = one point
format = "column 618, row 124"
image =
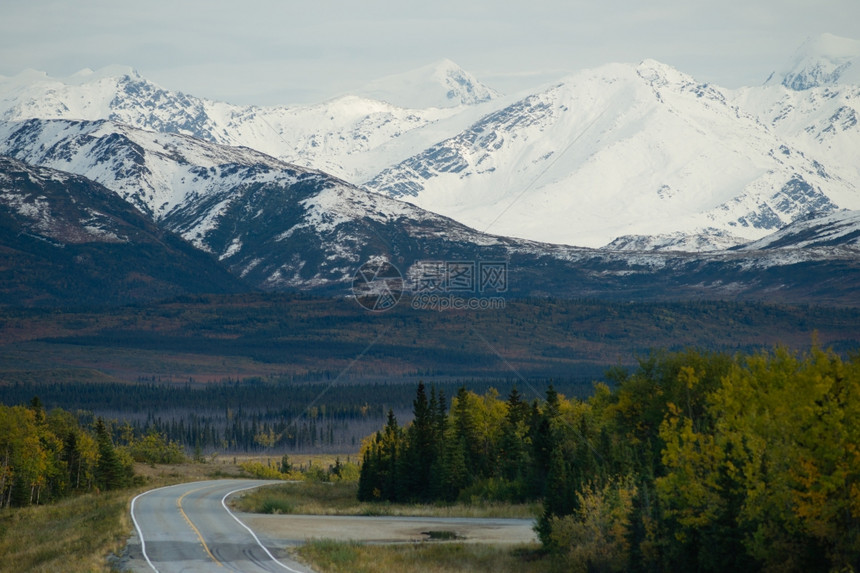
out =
column 271, row 223
column 840, row 229
column 441, row 84
column 350, row 136
column 65, row 239
column 282, row 227
column 814, row 105
column 616, row 151
column 153, row 171
column 626, row 156
column 821, row 60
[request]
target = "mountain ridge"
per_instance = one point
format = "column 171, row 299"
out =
column 65, row 240
column 440, row 84
column 825, row 59
column 281, row 227
column 659, row 147
column 675, row 158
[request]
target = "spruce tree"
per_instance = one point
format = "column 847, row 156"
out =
column 369, row 486
column 110, row 473
column 420, row 448
column 72, row 457
column 513, row 454
column 559, row 497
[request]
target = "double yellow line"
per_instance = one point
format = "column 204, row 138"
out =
column 190, row 524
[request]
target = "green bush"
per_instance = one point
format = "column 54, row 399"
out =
column 262, row 471
column 495, row 489
column 595, row 536
column 275, row 505
column 154, row 448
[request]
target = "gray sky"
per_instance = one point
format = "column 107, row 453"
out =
column 280, row 51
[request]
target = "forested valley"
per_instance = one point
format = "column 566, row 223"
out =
column 677, row 436
column 692, row 461
column 252, row 415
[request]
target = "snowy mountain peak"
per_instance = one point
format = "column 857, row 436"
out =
column 821, row 60
column 441, row 84
column 87, row 75
column 659, row 73
column 37, row 80
column 85, row 95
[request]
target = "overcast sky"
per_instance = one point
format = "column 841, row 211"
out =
column 283, row 52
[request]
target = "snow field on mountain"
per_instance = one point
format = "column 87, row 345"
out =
column 616, row 154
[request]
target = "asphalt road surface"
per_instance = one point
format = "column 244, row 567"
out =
column 188, row 528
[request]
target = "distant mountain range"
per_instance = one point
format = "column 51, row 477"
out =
column 623, row 153
column 622, row 150
column 276, row 226
column 695, row 191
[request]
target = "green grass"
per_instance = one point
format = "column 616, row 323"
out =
column 339, row 498
column 276, row 505
column 327, row 556
column 73, row 535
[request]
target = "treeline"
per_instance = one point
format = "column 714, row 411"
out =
column 47, row 456
column 252, row 415
column 273, row 399
column 691, row 462
column 235, row 431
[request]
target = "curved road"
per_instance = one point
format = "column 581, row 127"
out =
column 188, row 527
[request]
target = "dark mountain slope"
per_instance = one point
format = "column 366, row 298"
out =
column 65, row 240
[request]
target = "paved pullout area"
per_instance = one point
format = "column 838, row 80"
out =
column 293, row 529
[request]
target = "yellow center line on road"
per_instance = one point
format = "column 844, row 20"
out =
column 200, row 537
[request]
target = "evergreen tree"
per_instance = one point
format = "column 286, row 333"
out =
column 545, row 439
column 381, row 476
column 420, row 448
column 369, row 487
column 559, row 497
column 72, row 458
column 453, row 475
column 110, row 472
column 513, row 456
column 441, row 415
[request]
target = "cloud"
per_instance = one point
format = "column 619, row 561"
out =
column 261, row 49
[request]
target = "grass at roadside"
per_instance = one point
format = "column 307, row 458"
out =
column 339, row 498
column 77, row 534
column 328, row 556
column 73, row 535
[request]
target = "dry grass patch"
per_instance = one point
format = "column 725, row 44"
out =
column 73, row 535
column 340, row 498
column 329, row 556
column 78, row 534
